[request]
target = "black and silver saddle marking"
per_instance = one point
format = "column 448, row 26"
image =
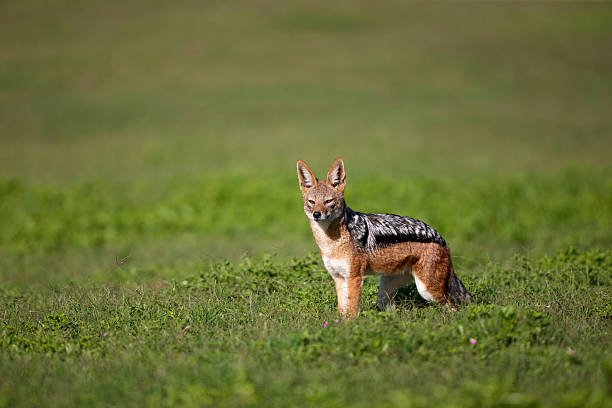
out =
column 372, row 231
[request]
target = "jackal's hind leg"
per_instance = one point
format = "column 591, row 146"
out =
column 387, row 289
column 431, row 275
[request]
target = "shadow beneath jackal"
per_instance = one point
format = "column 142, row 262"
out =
column 408, row 297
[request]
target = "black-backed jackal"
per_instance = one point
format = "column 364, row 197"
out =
column 354, row 244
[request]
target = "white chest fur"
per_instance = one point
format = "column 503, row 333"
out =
column 337, row 267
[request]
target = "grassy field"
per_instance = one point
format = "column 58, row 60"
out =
column 153, row 248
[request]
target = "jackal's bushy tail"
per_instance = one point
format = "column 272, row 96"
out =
column 456, row 290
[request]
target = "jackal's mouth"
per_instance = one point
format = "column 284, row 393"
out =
column 322, row 217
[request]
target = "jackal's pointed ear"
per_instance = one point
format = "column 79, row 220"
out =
column 336, row 176
column 306, row 177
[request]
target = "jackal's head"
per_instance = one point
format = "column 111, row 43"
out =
column 323, row 201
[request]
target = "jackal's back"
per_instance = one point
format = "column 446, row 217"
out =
column 374, row 231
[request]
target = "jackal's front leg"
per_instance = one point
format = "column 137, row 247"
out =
column 342, row 294
column 355, row 283
column 348, row 290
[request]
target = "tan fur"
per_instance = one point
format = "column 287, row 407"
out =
column 430, row 263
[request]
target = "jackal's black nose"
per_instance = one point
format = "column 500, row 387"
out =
column 316, row 215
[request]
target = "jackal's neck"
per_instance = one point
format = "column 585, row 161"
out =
column 330, row 235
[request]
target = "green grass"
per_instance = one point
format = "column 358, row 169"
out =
column 253, row 333
column 153, row 249
column 132, row 91
column 483, row 218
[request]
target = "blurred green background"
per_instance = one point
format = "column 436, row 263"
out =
column 147, row 134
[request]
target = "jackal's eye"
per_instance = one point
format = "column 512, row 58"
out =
column 329, row 200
